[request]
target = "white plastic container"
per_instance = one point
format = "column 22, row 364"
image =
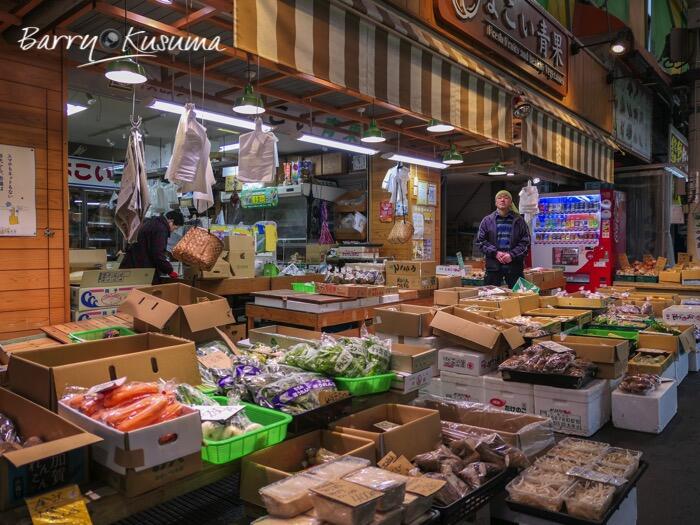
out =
column 462, row 388
column 579, row 412
column 509, row 395
column 467, row 362
column 645, row 413
column 682, row 366
column 693, row 361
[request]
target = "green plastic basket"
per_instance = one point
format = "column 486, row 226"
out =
column 362, row 386
column 95, row 335
column 598, row 332
column 274, row 431
column 304, row 287
column 646, row 278
column 624, row 277
column 472, row 282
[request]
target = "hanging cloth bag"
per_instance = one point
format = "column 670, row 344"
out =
column 256, row 155
column 186, row 169
column 402, row 231
column 133, row 199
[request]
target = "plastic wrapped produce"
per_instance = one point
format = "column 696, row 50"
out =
column 189, row 395
column 434, row 460
column 294, row 393
column 583, row 445
column 212, row 374
column 537, row 493
column 290, row 497
column 317, row 456
column 453, row 490
column 589, row 499
column 477, row 473
column 640, row 383
column 8, row 431
column 390, row 484
column 339, row 468
column 622, row 457
column 341, row 503
column 556, row 464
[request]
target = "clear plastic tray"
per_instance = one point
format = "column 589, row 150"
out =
column 585, row 507
column 290, row 497
column 622, row 457
column 583, row 445
column 338, row 513
column 338, row 468
column 392, row 485
column 580, row 456
column 297, row 520
column 619, row 471
column 556, row 463
column 535, row 494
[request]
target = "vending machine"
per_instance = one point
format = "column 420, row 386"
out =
column 580, row 232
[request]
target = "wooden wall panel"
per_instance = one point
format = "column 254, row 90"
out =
column 33, row 281
column 379, row 231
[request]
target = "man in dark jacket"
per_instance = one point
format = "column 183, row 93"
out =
column 504, row 239
column 149, row 249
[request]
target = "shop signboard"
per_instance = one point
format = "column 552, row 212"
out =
column 519, row 31
column 633, row 112
column 91, row 173
column 677, row 149
column 17, row 192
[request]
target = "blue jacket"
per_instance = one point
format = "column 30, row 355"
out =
column 519, row 241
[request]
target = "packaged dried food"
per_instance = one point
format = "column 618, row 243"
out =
column 640, row 383
column 392, row 517
column 589, row 499
column 477, row 473
column 290, row 497
column 390, row 484
column 618, row 471
column 584, row 445
column 622, row 457
column 415, row 505
column 304, row 519
column 536, row 494
column 582, row 457
column 338, row 468
column 556, row 464
column 339, row 503
column 453, row 490
column 434, row 460
column 548, row 477
column 317, row 456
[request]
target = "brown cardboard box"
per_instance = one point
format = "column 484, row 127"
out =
column 547, row 301
column 527, row 301
column 670, row 276
column 451, row 296
column 177, row 309
column 411, row 359
column 284, row 459
column 535, row 278
column 691, row 276
column 509, row 306
column 237, row 332
column 411, row 268
column 62, row 458
column 581, row 317
column 636, row 368
column 241, row 255
column 418, row 431
column 41, row 375
column 283, row 336
column 220, row 270
column 87, row 260
column 468, row 329
column 658, row 305
column 578, row 301
column 449, row 281
column 667, row 342
column 404, row 319
column 316, row 253
column 412, row 283
column 608, row 354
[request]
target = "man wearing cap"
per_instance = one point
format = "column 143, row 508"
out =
column 504, row 239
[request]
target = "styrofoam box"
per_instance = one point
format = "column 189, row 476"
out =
column 428, row 342
column 693, row 361
column 645, row 413
column 463, row 361
column 462, row 387
column 391, row 298
column 682, row 314
column 612, row 384
column 682, row 366
column 508, row 395
column 579, row 412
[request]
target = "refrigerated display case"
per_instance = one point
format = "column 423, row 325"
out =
column 581, row 233
column 92, row 221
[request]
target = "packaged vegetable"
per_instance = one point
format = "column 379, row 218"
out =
column 290, row 497
column 640, row 384
column 589, row 499
column 390, row 484
column 291, row 392
column 537, row 493
column 339, row 503
column 317, row 456
column 339, row 468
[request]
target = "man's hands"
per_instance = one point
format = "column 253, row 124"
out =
column 503, row 257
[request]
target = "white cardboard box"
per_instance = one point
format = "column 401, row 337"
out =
column 100, row 289
column 464, row 361
column 405, row 382
column 509, row 395
column 682, row 314
column 645, row 413
column 693, row 361
column 579, row 412
column 434, row 387
column 462, row 387
column 682, row 366
column 431, row 341
column 77, row 315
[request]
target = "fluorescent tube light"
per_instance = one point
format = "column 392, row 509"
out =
column 229, row 147
column 321, row 141
column 414, row 160
column 179, row 109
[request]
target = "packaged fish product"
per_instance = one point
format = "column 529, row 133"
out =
column 342, row 502
column 391, row 485
column 338, row 468
column 290, row 497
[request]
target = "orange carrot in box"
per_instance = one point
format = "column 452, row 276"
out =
column 172, row 410
column 145, row 417
column 127, row 391
column 115, row 416
column 90, row 406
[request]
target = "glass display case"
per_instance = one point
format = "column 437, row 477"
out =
column 91, row 221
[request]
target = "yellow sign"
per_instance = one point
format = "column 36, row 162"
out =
column 259, row 198
column 64, row 506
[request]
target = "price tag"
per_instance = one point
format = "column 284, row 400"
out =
column 109, row 385
column 215, row 359
column 424, row 486
column 218, row 412
column 460, row 260
column 386, row 425
column 348, row 493
column 64, row 506
column 401, row 466
column 387, row 460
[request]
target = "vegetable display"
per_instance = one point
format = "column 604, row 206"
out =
column 547, row 358
column 639, row 383
column 11, row 440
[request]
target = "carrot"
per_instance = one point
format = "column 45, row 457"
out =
column 171, row 411
column 116, row 415
column 90, row 406
column 145, row 417
column 130, row 390
column 75, row 400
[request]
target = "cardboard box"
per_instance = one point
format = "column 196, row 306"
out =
column 468, row 329
column 580, row 317
column 527, row 301
column 667, row 365
column 535, row 278
column 87, row 260
column 451, row 296
column 648, row 413
column 100, row 289
column 509, row 395
column 406, row 382
column 41, row 375
column 282, row 336
column 463, row 361
column 509, row 306
column 177, row 309
column 284, row 459
column 78, row 315
column 62, row 459
column 579, row 301
column 691, row 276
column 412, row 283
column 237, row 332
column 685, row 342
column 608, row 354
column 658, row 305
column 670, row 276
column 682, row 314
column 449, row 281
column 486, row 311
column 404, row 319
column 241, row 255
column 220, row 270
column 418, row 431
column 316, row 253
column 411, row 268
column 461, row 387
column 429, row 343
column 412, row 359
column 578, row 412
column 531, row 434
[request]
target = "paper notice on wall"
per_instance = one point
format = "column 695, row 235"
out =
column 17, row 192
column 432, row 195
column 422, row 197
column 418, row 225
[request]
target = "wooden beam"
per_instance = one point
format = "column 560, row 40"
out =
column 213, row 64
column 194, row 17
column 271, row 78
column 224, row 24
column 227, row 91
column 10, row 19
column 74, row 17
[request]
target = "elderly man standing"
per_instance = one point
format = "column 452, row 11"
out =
column 504, row 239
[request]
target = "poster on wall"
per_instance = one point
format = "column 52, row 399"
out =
column 17, row 195
column 633, row 112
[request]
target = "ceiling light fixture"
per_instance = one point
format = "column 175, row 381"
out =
column 497, row 169
column 536, row 180
column 178, row 109
column 126, row 71
column 72, row 109
column 249, row 103
column 415, row 160
column 321, row 141
column 435, row 126
column 229, row 147
column 452, row 156
column 373, row 134
column 619, row 44
column 510, row 174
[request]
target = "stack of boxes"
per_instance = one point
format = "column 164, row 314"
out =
column 414, row 275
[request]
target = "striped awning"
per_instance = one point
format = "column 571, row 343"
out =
column 352, row 50
column 551, row 139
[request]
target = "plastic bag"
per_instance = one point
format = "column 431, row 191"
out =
column 640, row 383
column 289, row 389
column 525, row 286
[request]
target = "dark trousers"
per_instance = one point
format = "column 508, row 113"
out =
column 509, row 273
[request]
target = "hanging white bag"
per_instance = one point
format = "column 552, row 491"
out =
column 186, row 160
column 256, row 155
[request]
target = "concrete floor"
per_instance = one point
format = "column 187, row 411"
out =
column 669, row 491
